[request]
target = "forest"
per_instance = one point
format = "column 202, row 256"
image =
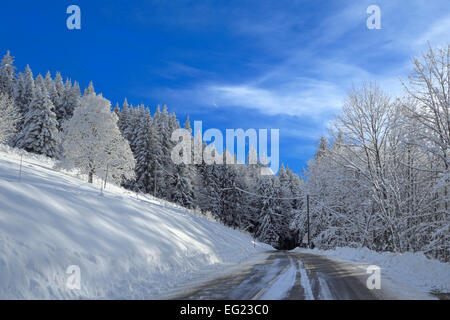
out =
column 379, row 178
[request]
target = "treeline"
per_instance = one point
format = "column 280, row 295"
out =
column 381, row 181
column 236, row 194
column 131, row 146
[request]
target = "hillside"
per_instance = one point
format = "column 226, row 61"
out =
column 126, row 246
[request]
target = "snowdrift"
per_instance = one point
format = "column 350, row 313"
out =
column 126, row 246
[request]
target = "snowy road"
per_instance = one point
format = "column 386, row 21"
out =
column 288, row 275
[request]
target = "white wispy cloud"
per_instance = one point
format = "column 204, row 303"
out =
column 302, row 97
column 314, row 77
column 437, row 34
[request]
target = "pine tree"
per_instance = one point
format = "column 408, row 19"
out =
column 123, row 117
column 322, row 148
column 181, row 190
column 251, row 177
column 210, row 185
column 7, row 74
column 59, row 86
column 39, row 132
column 181, row 183
column 51, row 89
column 9, row 117
column 269, row 206
column 187, row 125
column 23, row 95
column 164, row 172
column 39, row 82
column 116, row 109
column 138, row 113
column 132, row 120
column 89, row 90
column 69, row 101
column 147, row 155
column 231, row 198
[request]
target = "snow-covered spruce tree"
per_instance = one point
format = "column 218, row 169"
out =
column 209, row 191
column 180, row 184
column 200, row 168
column 59, row 84
column 250, row 176
column 24, row 89
column 39, row 83
column 39, row 130
column 288, row 207
column 90, row 89
column 23, row 94
column 132, row 121
column 138, row 113
column 116, row 110
column 146, row 154
column 51, row 89
column 196, row 157
column 57, row 96
column 9, row 117
column 165, row 170
column 233, row 201
column 69, row 101
column 93, row 143
column 123, row 118
column 165, row 131
column 7, row 74
column 269, row 207
column 297, row 189
column 63, row 102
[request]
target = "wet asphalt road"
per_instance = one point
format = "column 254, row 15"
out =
column 288, row 275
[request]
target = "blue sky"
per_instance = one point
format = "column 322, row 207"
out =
column 232, row 64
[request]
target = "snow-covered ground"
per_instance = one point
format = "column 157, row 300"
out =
column 407, row 275
column 126, row 247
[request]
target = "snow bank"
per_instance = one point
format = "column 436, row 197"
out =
column 126, row 247
column 414, row 269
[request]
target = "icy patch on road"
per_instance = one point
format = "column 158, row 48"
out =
column 304, row 281
column 282, row 285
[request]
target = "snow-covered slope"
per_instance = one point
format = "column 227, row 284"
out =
column 125, row 246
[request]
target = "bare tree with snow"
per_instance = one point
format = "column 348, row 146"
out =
column 92, row 141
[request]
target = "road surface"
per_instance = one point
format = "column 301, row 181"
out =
column 288, row 275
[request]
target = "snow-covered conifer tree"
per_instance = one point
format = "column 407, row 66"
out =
column 51, row 89
column 7, row 74
column 39, row 130
column 69, row 101
column 146, row 154
column 23, row 94
column 89, row 90
column 269, row 208
column 123, row 117
column 9, row 117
